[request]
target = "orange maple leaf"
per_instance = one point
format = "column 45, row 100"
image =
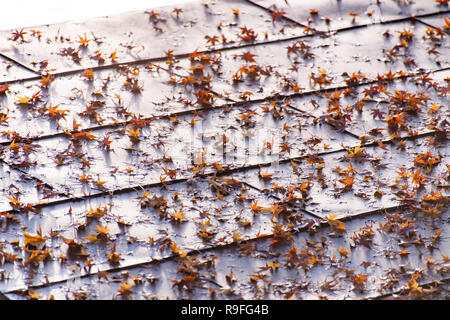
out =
column 348, row 181
column 88, row 74
column 254, row 206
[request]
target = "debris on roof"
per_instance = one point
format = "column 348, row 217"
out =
column 228, row 150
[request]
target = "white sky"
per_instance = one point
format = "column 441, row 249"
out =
column 28, row 13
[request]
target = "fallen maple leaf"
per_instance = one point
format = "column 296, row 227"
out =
column 36, row 241
column 348, row 181
column 254, row 206
column 125, row 289
column 335, row 223
column 88, row 74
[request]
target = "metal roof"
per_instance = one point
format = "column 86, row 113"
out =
column 227, row 150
